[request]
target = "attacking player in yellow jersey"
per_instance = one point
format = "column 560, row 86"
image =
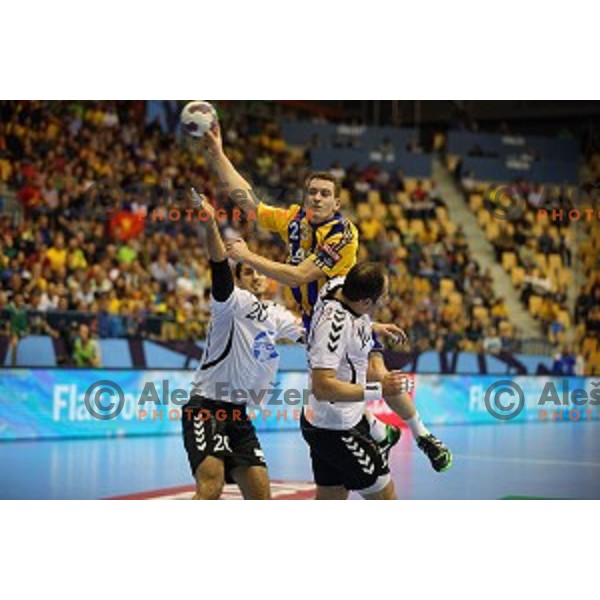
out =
column 322, row 244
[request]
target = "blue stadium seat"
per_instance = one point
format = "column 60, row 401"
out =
column 414, row 165
column 495, row 366
column 467, row 363
column 115, row 353
column 428, row 362
column 34, row 351
column 158, row 357
column 532, row 362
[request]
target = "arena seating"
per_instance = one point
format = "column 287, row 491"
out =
column 351, row 144
column 70, row 267
column 506, row 157
column 538, row 251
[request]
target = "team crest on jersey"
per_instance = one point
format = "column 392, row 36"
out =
column 264, row 348
column 304, row 231
column 328, row 311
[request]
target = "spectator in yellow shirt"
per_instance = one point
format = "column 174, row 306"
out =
column 500, row 310
column 369, row 229
column 75, row 256
column 114, row 304
column 57, row 254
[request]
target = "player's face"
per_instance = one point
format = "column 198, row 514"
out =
column 370, row 306
column 252, row 281
column 321, row 202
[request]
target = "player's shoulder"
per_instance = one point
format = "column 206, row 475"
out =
column 244, row 297
column 277, row 309
column 289, row 212
column 341, row 224
column 350, row 229
column 333, row 284
column 237, row 299
column 278, row 217
column 332, row 310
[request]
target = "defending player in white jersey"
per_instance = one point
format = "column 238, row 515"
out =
column 240, row 356
column 343, row 452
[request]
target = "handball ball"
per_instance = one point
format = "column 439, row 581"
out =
column 198, row 117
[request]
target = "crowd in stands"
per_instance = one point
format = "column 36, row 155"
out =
column 70, row 261
column 587, row 307
column 537, row 243
column 78, row 256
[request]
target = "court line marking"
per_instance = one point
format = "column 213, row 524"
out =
column 280, row 490
column 534, row 461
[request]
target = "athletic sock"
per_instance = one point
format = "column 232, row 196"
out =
column 416, row 426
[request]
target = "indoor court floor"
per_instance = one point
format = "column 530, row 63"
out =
column 538, row 460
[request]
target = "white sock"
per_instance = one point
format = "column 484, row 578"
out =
column 416, row 426
column 377, row 428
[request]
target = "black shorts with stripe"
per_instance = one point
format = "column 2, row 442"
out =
column 349, row 457
column 222, row 430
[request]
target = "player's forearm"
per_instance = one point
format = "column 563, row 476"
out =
column 401, row 404
column 236, row 187
column 376, row 370
column 285, row 274
column 214, row 242
column 341, row 391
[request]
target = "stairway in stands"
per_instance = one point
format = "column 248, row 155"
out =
column 481, row 249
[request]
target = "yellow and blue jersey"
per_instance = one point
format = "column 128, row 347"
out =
column 332, row 245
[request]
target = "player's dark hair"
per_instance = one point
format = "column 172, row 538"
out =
column 365, row 280
column 238, row 270
column 327, row 177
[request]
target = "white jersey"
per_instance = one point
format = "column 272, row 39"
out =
column 241, row 352
column 341, row 340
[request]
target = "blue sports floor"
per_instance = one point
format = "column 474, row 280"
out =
column 549, row 460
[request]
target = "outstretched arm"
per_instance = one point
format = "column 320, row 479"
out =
column 222, row 279
column 214, row 242
column 290, row 275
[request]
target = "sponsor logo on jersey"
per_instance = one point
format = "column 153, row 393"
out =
column 328, row 255
column 264, row 348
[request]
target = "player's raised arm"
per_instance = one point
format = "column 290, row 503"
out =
column 237, row 188
column 240, row 191
column 222, row 278
column 214, row 242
